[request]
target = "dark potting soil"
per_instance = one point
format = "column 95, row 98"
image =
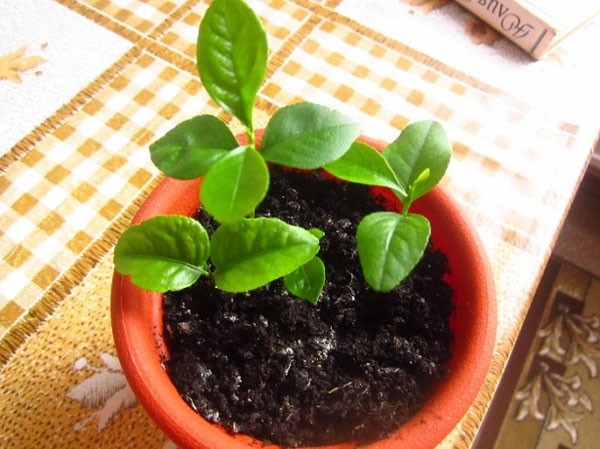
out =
column 277, row 368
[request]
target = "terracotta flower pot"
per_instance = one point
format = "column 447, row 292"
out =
column 137, row 329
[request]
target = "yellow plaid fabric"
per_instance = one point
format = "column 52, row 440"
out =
column 70, row 186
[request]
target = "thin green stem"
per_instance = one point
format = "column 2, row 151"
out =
column 251, row 136
column 408, row 200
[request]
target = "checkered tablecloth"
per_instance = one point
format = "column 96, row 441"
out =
column 86, row 85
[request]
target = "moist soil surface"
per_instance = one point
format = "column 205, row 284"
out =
column 277, row 368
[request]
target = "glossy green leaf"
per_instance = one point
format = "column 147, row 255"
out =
column 163, row 253
column 365, row 165
column 307, row 282
column 307, row 135
column 235, row 185
column 192, row 147
column 421, row 145
column 231, row 56
column 318, row 233
column 389, row 246
column 252, row 252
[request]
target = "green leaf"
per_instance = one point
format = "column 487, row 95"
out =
column 318, row 233
column 252, row 252
column 192, row 147
column 232, row 56
column 365, row 165
column 307, row 282
column 424, row 176
column 421, row 145
column 163, row 253
column 389, row 246
column 307, row 135
column 235, row 185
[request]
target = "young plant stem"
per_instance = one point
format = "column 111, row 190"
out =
column 251, row 137
column 408, row 201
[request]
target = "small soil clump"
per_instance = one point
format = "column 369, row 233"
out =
column 354, row 367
